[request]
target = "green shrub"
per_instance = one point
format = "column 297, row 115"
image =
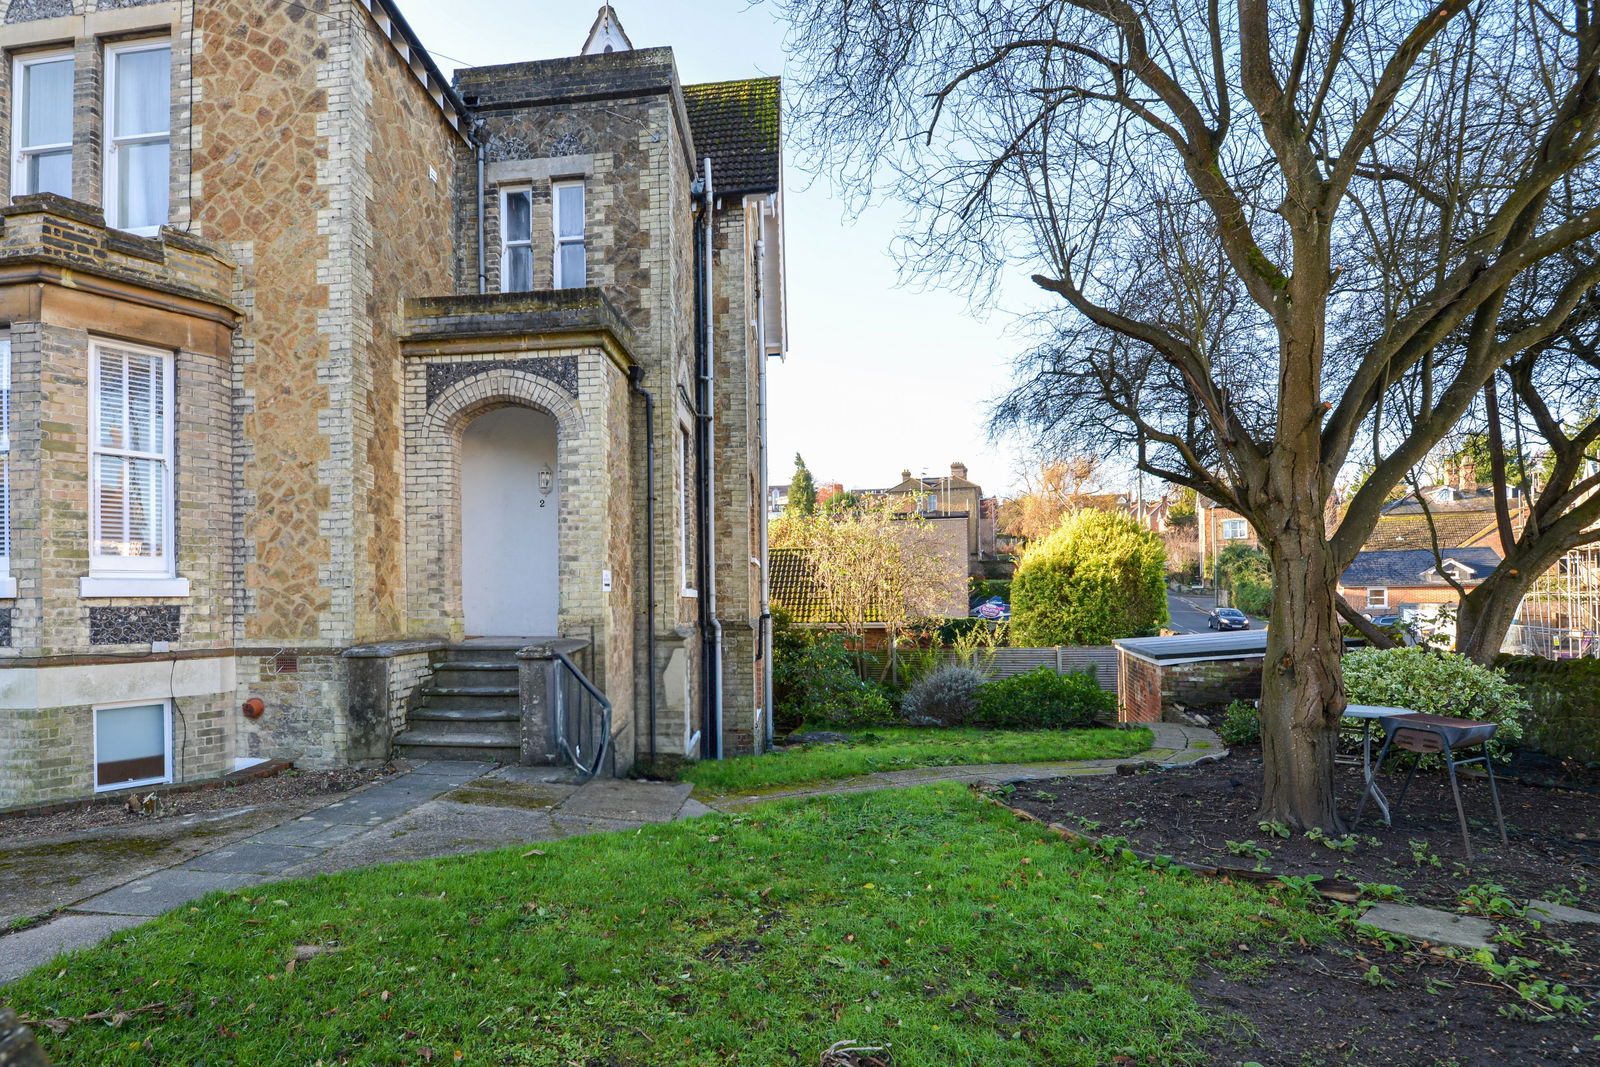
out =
column 1099, row 576
column 814, row 681
column 1565, row 694
column 1246, row 571
column 1441, row 683
column 1043, row 699
column 1241, row 724
column 1253, row 599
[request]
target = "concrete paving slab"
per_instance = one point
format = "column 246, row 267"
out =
column 163, row 891
column 546, row 777
column 455, row 767
column 692, row 809
column 36, row 946
column 1547, row 912
column 436, row 828
column 315, row 833
column 1431, row 924
column 250, row 857
column 615, row 798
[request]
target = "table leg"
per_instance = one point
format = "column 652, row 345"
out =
column 1370, row 775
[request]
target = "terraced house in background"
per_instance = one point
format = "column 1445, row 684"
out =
column 347, row 406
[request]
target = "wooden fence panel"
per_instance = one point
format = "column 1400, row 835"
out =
column 1010, row 662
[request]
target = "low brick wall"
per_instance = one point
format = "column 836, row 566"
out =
column 1565, row 694
column 1149, row 691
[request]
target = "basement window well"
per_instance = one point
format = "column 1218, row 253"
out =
column 132, row 745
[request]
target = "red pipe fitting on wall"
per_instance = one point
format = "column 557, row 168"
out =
column 254, row 707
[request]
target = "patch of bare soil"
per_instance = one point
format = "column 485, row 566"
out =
column 112, row 813
column 1373, row 1001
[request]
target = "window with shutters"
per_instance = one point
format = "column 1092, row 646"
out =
column 5, row 467
column 130, row 461
column 516, row 240
column 41, row 124
column 571, row 270
column 138, row 117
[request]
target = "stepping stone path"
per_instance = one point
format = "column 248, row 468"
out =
column 1431, row 924
column 1546, row 912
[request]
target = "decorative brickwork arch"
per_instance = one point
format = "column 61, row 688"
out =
column 433, row 472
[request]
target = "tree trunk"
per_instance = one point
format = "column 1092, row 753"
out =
column 1488, row 611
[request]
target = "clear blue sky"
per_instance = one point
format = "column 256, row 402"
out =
column 878, row 378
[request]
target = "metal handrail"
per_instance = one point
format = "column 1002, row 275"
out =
column 578, row 741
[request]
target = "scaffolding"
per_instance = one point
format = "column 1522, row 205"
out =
column 1559, row 618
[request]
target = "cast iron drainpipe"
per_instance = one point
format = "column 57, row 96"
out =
column 636, row 379
column 705, row 474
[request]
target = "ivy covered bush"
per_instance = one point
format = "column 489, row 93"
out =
column 1043, row 699
column 1099, row 576
column 1440, row 683
column 1241, row 724
column 944, row 697
column 814, row 682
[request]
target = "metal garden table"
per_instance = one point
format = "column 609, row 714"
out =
column 1368, row 713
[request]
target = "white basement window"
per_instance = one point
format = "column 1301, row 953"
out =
column 42, row 125
column 138, row 111
column 132, row 745
column 516, row 241
column 571, row 270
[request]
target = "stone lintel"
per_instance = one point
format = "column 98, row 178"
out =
column 390, row 649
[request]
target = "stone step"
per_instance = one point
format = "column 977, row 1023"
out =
column 440, row 750
column 510, row 691
column 456, row 714
column 465, row 665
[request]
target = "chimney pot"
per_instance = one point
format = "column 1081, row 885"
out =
column 905, row 476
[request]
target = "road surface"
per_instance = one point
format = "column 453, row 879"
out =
column 1188, row 611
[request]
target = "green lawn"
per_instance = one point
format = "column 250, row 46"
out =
column 898, row 748
column 920, row 918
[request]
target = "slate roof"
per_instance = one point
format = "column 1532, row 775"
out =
column 736, row 123
column 1416, row 567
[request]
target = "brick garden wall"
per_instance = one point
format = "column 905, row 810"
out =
column 1565, row 694
column 1149, row 691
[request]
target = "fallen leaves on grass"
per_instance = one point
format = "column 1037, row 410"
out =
column 60, row 1024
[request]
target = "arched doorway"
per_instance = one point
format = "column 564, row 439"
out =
column 509, row 504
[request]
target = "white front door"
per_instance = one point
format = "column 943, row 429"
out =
column 508, row 524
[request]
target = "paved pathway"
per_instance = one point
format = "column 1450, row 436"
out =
column 447, row 807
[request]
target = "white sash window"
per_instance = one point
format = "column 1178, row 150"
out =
column 131, row 461
column 42, row 125
column 516, row 241
column 571, row 270
column 138, row 112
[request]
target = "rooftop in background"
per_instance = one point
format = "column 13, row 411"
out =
column 1444, row 498
column 1417, row 566
column 736, row 124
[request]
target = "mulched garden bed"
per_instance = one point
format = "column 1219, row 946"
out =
column 1369, row 1001
column 104, row 813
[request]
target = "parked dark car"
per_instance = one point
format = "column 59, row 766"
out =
column 1228, row 619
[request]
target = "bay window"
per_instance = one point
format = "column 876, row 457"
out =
column 516, row 241
column 130, row 513
column 41, row 124
column 138, row 117
column 571, row 270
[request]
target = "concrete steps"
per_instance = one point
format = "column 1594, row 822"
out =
column 471, row 707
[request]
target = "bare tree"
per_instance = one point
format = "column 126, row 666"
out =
column 1262, row 220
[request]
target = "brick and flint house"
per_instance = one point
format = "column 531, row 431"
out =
column 340, row 398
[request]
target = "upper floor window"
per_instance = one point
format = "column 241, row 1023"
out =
column 42, row 125
column 516, row 241
column 1235, row 529
column 1377, row 597
column 571, row 266
column 131, row 461
column 138, row 111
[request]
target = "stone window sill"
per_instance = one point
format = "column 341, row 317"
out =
column 133, row 587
